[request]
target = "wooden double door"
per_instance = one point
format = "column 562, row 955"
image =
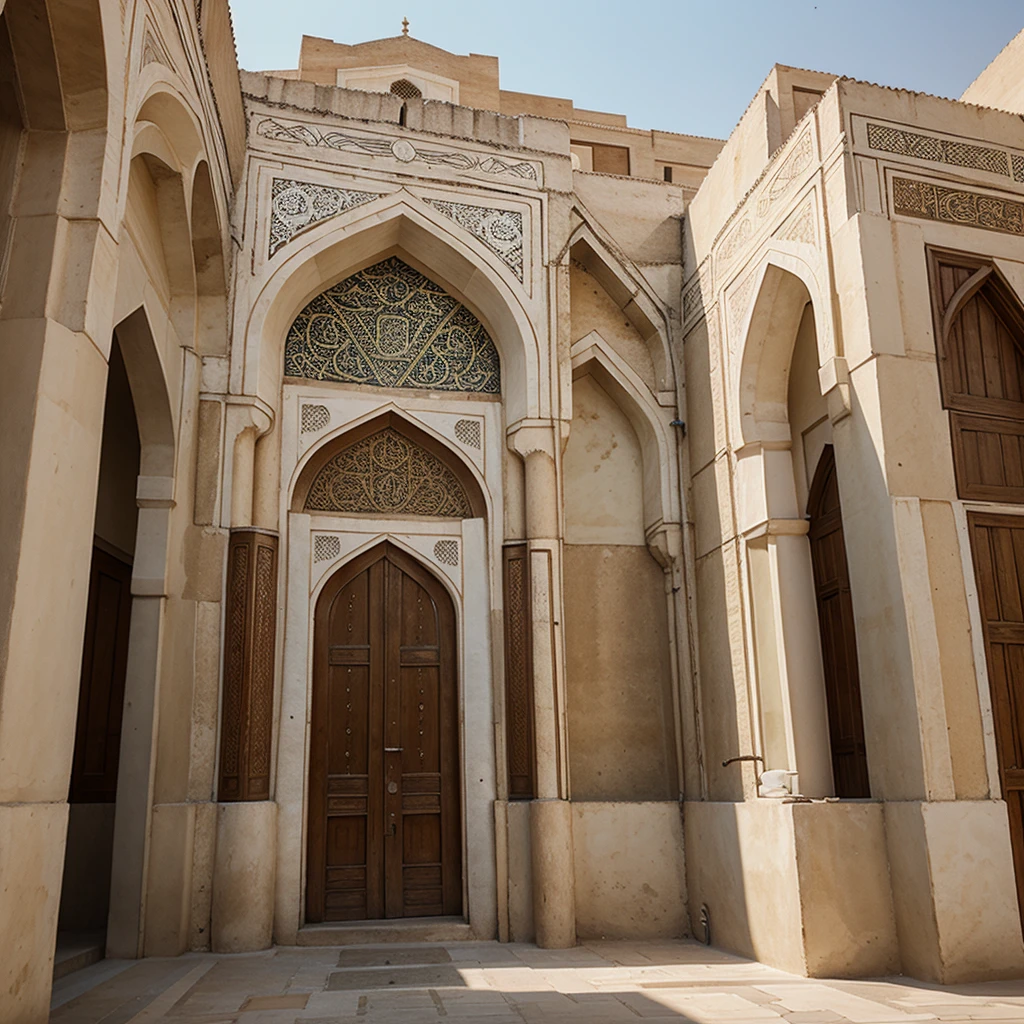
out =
column 385, row 833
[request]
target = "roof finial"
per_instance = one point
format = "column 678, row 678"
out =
column 405, row 26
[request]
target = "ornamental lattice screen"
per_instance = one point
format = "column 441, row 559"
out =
column 391, row 326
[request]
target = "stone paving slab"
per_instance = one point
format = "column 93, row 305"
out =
column 490, row 983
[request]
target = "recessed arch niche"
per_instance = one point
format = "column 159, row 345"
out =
column 388, row 467
column 391, row 326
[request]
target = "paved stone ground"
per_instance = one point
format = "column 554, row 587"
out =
column 599, row 983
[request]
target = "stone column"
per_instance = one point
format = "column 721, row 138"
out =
column 245, row 860
column 55, row 335
column 554, row 884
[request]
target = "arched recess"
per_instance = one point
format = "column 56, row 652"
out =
column 153, row 496
column 210, row 275
column 439, row 457
column 156, row 218
column 395, row 225
column 621, row 520
column 631, row 294
column 593, row 356
column 780, row 414
column 783, row 285
column 165, row 106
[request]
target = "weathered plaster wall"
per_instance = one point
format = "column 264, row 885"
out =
column 621, row 732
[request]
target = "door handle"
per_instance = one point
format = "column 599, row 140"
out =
column 393, row 750
column 390, row 831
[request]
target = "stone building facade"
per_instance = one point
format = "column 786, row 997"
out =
column 433, row 511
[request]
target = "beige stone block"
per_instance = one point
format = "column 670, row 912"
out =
column 205, row 702
column 520, row 873
column 169, row 880
column 42, row 175
column 917, row 445
column 243, row 877
column 50, row 472
column 204, row 848
column 35, row 248
column 954, row 890
column 712, row 506
column 741, row 866
column 554, row 885
column 85, row 299
column 956, row 653
column 204, row 552
column 31, row 859
column 704, row 410
column 723, row 673
column 849, row 924
column 630, row 870
column 174, row 715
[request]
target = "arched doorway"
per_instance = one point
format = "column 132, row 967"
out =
column 384, row 834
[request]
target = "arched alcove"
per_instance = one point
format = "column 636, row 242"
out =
column 396, row 225
column 783, row 420
column 627, row 290
column 208, row 259
column 619, row 670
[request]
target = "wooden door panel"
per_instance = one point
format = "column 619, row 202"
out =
column 838, row 633
column 997, row 547
column 101, row 690
column 384, row 763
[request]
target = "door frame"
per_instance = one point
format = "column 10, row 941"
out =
column 470, row 587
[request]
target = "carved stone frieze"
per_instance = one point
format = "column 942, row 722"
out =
column 953, row 152
column 930, row 201
column 751, row 220
column 387, row 474
column 391, row 326
column 800, row 225
column 792, row 167
column 403, row 150
column 297, row 205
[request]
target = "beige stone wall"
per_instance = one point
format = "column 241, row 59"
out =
column 999, row 85
column 770, row 379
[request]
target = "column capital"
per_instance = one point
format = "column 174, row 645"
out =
column 529, row 437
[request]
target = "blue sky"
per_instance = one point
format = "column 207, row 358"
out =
column 681, row 66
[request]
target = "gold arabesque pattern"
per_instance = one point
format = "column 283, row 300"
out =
column 387, row 474
column 391, row 326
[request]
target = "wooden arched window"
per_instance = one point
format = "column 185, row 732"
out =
column 838, row 634
column 979, row 332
